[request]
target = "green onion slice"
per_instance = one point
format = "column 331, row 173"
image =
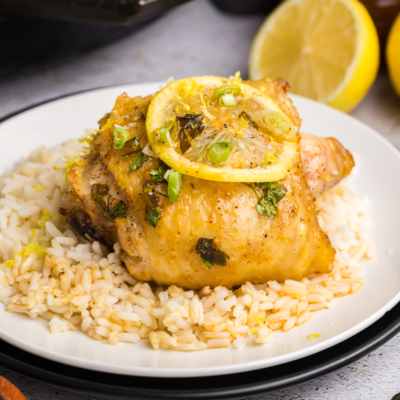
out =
column 165, row 136
column 226, row 89
column 121, row 136
column 219, row 152
column 228, row 100
column 276, row 123
column 174, row 184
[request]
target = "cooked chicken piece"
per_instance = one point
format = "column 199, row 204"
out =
column 259, row 248
column 325, row 162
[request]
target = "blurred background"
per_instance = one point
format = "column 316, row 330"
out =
column 52, row 48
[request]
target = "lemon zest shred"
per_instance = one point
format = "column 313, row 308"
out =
column 312, row 336
column 109, row 124
column 254, row 330
column 204, row 108
column 188, row 89
column 9, row 263
column 270, row 158
column 243, row 124
column 34, row 233
column 185, row 106
column 237, row 78
column 87, row 139
column 33, row 247
column 47, row 215
column 26, row 251
column 69, row 163
column 329, row 178
column 37, row 187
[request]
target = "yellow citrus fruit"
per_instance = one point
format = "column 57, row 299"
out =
column 221, row 129
column 328, row 50
column 393, row 54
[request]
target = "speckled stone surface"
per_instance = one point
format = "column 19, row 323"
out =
column 197, row 39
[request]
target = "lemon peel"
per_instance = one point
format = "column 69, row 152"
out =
column 237, row 169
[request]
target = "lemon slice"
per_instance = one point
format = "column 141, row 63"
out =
column 327, row 50
column 393, row 54
column 221, row 129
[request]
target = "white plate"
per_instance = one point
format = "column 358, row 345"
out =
column 377, row 175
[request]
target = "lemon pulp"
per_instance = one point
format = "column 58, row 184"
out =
column 188, row 118
column 327, row 50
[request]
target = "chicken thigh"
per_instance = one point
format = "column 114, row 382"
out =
column 256, row 248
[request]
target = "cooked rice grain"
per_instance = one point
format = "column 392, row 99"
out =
column 48, row 272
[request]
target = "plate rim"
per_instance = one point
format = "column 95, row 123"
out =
column 92, row 382
column 170, row 372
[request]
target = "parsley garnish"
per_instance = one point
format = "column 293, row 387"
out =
column 210, row 253
column 118, row 211
column 273, row 193
column 158, row 174
column 138, row 161
column 152, row 215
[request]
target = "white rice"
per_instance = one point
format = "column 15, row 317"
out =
column 49, row 272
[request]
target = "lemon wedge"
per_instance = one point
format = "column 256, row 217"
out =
column 221, row 129
column 327, row 50
column 393, row 54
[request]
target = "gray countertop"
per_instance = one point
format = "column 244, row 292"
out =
column 197, row 39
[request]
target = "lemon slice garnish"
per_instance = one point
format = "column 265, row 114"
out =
column 327, row 50
column 221, row 129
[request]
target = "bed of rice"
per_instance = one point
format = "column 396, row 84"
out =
column 47, row 271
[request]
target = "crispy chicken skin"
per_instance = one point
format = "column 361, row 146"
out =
column 325, row 162
column 259, row 248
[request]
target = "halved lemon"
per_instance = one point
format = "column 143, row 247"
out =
column 327, row 50
column 221, row 129
column 393, row 54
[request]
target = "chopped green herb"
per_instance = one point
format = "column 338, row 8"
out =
column 118, row 211
column 273, row 189
column 101, row 196
column 121, row 136
column 174, row 180
column 210, row 253
column 138, row 161
column 273, row 193
column 189, row 125
column 131, row 152
column 252, row 188
column 152, row 216
column 99, row 193
column 158, row 174
column 267, row 206
column 247, row 117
